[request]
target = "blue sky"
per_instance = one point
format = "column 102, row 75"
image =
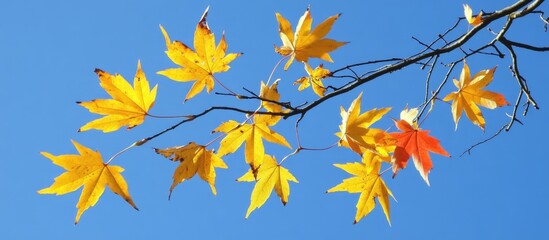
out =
column 50, row 49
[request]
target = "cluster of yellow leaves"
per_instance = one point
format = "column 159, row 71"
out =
column 410, row 142
column 128, row 106
column 375, row 146
column 201, row 64
column 264, row 170
column 193, row 159
column 300, row 46
column 88, row 170
column 253, row 133
column 305, row 44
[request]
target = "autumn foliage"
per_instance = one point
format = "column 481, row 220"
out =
column 378, row 148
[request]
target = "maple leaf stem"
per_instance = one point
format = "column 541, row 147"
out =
column 215, row 139
column 289, row 155
column 250, row 116
column 299, row 141
column 274, row 69
column 123, row 150
column 384, row 171
column 223, row 86
column 321, row 148
column 299, row 147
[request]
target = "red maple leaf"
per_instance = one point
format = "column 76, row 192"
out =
column 416, row 143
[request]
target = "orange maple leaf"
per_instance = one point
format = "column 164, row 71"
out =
column 470, row 93
column 468, row 12
column 356, row 133
column 198, row 66
column 305, row 43
column 415, row 143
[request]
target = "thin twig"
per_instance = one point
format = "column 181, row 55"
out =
column 526, row 46
column 428, row 80
column 468, row 151
column 435, row 94
column 521, row 80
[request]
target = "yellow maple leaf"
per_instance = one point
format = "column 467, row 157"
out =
column 305, row 44
column 368, row 183
column 356, row 134
column 252, row 134
column 194, row 159
column 201, row 64
column 128, row 106
column 470, row 94
column 315, row 79
column 270, row 176
column 269, row 93
column 468, row 12
column 87, row 169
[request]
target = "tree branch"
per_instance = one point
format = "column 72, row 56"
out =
column 452, row 45
column 430, row 53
